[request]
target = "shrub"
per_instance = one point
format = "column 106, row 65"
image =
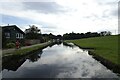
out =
column 10, row 45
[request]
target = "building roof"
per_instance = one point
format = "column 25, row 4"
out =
column 14, row 27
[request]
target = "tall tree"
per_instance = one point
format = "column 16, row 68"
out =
column 33, row 32
column 33, row 29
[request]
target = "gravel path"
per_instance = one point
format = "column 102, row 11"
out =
column 13, row 49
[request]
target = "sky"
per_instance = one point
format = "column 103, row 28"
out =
column 61, row 16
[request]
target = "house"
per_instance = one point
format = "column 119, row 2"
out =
column 11, row 33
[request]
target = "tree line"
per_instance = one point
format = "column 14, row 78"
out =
column 34, row 33
column 70, row 36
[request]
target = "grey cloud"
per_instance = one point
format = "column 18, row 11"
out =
column 49, row 31
column 112, row 4
column 88, row 17
column 106, row 14
column 94, row 17
column 115, row 12
column 49, row 27
column 43, row 7
column 118, row 8
column 106, row 2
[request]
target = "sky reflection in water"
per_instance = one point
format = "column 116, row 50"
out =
column 60, row 61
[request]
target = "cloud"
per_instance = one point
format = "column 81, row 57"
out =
column 64, row 16
column 49, row 27
column 44, row 7
column 111, row 7
column 12, row 20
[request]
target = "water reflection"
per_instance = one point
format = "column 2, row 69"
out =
column 35, row 56
column 56, row 61
column 14, row 62
column 69, row 44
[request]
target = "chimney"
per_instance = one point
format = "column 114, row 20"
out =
column 8, row 24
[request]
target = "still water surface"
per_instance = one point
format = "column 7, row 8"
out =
column 57, row 61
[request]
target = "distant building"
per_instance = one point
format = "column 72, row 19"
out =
column 11, row 33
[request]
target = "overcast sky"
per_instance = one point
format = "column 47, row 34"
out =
column 61, row 16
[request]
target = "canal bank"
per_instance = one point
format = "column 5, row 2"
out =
column 25, row 50
column 56, row 61
column 109, row 64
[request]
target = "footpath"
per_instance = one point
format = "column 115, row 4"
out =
column 25, row 48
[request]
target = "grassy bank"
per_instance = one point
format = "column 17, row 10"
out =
column 106, row 47
column 24, row 51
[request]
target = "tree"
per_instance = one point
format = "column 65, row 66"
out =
column 105, row 33
column 108, row 33
column 33, row 32
column 59, row 37
column 69, row 36
column 33, row 29
column 88, row 34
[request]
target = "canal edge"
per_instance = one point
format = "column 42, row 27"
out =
column 110, row 65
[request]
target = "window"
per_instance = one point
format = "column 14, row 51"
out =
column 17, row 35
column 22, row 36
column 7, row 35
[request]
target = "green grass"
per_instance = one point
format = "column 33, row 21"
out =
column 106, row 47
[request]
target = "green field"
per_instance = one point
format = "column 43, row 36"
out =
column 106, row 47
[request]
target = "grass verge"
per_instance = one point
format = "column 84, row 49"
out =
column 105, row 47
column 27, row 50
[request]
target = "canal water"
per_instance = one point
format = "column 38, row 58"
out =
column 57, row 61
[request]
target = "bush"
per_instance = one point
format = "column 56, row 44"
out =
column 10, row 45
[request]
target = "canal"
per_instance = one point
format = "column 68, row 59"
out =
column 56, row 61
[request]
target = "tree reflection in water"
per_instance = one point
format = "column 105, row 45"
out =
column 34, row 57
column 14, row 62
